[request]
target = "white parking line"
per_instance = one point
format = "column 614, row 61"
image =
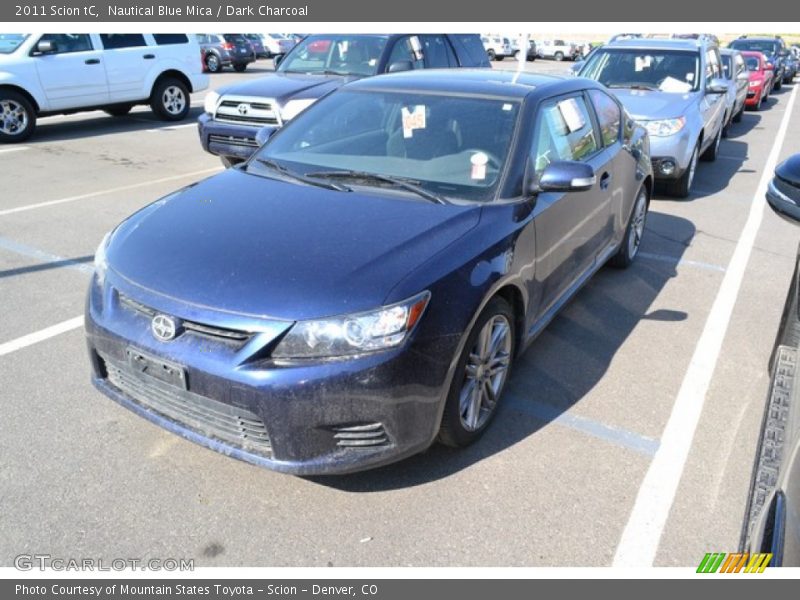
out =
column 122, row 188
column 642, row 533
column 171, row 127
column 39, row 336
column 14, row 149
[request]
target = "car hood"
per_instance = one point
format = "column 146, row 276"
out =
column 254, row 246
column 285, row 86
column 648, row 105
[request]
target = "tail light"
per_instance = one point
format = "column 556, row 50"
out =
column 227, row 46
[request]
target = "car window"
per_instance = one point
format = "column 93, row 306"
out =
column 66, row 43
column 609, row 116
column 564, row 132
column 765, row 46
column 403, row 51
column 114, row 41
column 471, row 48
column 712, row 66
column 340, row 54
column 753, row 64
column 727, row 66
column 11, row 41
column 165, row 39
column 437, row 51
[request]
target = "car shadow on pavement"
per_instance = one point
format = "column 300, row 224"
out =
column 96, row 125
column 565, row 363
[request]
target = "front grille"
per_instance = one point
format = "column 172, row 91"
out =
column 219, row 333
column 361, row 435
column 233, row 140
column 230, row 424
column 247, row 111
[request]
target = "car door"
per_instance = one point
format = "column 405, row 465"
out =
column 73, row 75
column 571, row 227
column 712, row 106
column 128, row 60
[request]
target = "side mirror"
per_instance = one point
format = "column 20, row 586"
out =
column 263, row 134
column 400, row 65
column 717, row 86
column 277, row 60
column 46, row 46
column 783, row 192
column 769, row 67
column 565, row 176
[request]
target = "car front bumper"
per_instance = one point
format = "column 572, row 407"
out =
column 226, row 139
column 305, row 418
column 675, row 150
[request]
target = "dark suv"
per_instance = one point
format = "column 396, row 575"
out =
column 774, row 49
column 315, row 67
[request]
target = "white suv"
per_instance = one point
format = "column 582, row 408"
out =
column 45, row 74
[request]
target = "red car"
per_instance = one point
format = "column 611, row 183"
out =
column 761, row 75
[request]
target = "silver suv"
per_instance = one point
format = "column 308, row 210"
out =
column 673, row 88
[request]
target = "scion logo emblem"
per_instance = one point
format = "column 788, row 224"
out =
column 164, row 328
column 243, row 108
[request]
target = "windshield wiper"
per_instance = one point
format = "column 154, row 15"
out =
column 633, row 86
column 283, row 170
column 374, row 177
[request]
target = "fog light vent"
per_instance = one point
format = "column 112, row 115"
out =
column 360, row 435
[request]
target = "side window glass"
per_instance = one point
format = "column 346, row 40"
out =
column 564, row 132
column 609, row 116
column 437, row 52
column 403, row 51
column 68, row 42
column 114, row 41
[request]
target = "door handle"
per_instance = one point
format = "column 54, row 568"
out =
column 149, row 56
column 605, row 180
column 92, row 61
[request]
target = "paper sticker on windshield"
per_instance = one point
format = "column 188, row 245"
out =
column 670, row 84
column 571, row 114
column 642, row 63
column 479, row 161
column 413, row 118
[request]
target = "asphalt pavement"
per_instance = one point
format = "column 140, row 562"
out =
column 587, row 423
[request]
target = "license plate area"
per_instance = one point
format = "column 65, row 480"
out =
column 144, row 365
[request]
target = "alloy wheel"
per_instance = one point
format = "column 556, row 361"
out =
column 174, row 100
column 637, row 224
column 485, row 373
column 13, row 117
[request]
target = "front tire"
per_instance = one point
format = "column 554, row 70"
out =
column 481, row 375
column 737, row 118
column 683, row 186
column 559, row 56
column 170, row 99
column 634, row 232
column 17, row 118
column 711, row 153
column 490, row 54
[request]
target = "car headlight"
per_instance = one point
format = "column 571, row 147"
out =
column 664, row 127
column 100, row 260
column 755, row 83
column 348, row 335
column 210, row 103
column 295, row 107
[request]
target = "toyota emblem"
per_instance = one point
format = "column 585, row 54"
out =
column 243, row 108
column 165, row 328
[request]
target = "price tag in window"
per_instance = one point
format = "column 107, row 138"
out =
column 571, row 114
column 413, row 118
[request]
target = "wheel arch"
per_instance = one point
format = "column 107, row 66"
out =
column 23, row 92
column 172, row 73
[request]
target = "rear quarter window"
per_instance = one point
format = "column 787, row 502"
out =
column 165, row 39
column 469, row 50
column 113, row 41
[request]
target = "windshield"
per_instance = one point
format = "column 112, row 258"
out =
column 11, row 41
column 446, row 145
column 664, row 70
column 765, row 46
column 752, row 63
column 339, row 54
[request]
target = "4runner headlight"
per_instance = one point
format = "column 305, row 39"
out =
column 295, row 107
column 100, row 260
column 210, row 103
column 664, row 127
column 358, row 333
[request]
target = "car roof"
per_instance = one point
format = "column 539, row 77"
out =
column 488, row 82
column 652, row 44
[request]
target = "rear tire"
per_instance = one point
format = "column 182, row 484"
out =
column 634, row 232
column 17, row 117
column 481, row 375
column 490, row 54
column 170, row 99
column 213, row 63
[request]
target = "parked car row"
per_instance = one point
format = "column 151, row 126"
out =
column 238, row 50
column 687, row 92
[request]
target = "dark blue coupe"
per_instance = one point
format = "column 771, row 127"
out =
column 360, row 287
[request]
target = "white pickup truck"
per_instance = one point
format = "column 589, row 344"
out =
column 558, row 50
column 52, row 73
